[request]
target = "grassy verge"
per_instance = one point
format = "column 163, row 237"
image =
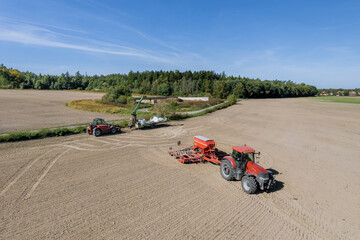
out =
column 338, row 99
column 185, row 116
column 118, row 122
column 43, row 133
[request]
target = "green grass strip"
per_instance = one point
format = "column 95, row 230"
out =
column 185, row 116
column 338, row 99
column 43, row 133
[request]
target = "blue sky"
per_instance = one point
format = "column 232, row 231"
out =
column 316, row 42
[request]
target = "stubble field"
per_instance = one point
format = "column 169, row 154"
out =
column 125, row 186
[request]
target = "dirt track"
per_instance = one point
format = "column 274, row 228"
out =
column 28, row 109
column 125, row 186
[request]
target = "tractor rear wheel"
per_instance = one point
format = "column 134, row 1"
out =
column 226, row 170
column 97, row 132
column 249, row 184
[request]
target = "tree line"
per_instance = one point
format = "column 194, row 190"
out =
column 165, row 83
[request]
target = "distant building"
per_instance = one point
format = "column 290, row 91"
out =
column 352, row 93
column 204, row 99
column 331, row 94
column 340, row 93
column 323, row 93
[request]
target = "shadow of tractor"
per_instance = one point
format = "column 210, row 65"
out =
column 278, row 184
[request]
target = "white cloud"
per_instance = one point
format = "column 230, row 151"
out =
column 31, row 34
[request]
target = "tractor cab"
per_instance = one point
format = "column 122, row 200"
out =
column 99, row 121
column 99, row 127
column 242, row 155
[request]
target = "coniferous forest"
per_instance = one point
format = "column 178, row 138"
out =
column 165, row 83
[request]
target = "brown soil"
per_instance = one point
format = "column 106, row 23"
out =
column 125, row 186
column 21, row 109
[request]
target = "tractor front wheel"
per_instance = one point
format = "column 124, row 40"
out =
column 97, row 132
column 226, row 170
column 249, row 184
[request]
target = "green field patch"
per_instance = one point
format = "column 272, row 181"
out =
column 174, row 108
column 94, row 105
column 189, row 106
column 338, row 99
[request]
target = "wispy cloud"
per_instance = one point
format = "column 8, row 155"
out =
column 34, row 34
column 111, row 18
column 147, row 37
column 4, row 20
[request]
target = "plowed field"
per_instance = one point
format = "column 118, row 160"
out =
column 28, row 109
column 126, row 186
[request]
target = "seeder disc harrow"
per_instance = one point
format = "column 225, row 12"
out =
column 187, row 156
column 203, row 150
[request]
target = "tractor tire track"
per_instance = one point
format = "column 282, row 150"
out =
column 301, row 223
column 255, row 213
column 28, row 192
column 299, row 220
column 20, row 172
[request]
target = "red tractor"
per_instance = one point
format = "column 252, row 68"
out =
column 99, row 127
column 240, row 165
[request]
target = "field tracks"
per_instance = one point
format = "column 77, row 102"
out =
column 284, row 208
column 28, row 192
column 20, row 172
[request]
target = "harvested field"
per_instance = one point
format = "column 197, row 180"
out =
column 28, row 109
column 125, row 186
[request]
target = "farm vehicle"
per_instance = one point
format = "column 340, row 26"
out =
column 240, row 165
column 142, row 123
column 99, row 127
